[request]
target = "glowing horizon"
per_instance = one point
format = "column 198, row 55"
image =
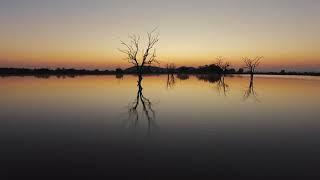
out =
column 82, row 34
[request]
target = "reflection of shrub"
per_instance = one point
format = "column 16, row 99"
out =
column 211, row 78
column 119, row 71
column 183, row 76
column 119, row 76
column 43, row 76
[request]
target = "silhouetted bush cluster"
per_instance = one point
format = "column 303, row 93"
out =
column 206, row 69
column 44, row 71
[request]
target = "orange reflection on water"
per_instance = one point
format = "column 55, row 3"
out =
column 187, row 94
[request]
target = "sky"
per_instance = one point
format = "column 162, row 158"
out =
column 87, row 34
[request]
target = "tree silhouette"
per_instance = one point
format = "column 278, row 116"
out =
column 220, row 62
column 252, row 63
column 133, row 51
column 171, row 68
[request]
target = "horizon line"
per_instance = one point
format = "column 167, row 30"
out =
column 287, row 70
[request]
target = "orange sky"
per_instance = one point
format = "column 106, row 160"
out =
column 87, row 35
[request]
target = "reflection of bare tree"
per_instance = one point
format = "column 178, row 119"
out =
column 146, row 106
column 171, row 81
column 222, row 86
column 250, row 92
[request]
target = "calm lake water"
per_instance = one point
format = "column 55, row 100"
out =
column 181, row 126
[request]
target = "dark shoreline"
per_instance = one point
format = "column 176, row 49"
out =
column 4, row 72
column 149, row 74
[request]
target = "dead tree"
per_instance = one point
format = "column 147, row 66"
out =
column 171, row 68
column 220, row 62
column 139, row 57
column 252, row 63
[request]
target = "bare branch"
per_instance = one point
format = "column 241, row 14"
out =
column 252, row 63
column 221, row 64
column 132, row 49
column 152, row 40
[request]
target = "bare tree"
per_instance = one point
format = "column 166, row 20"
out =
column 252, row 63
column 220, row 62
column 171, row 68
column 139, row 57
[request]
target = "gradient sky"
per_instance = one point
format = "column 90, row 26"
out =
column 87, row 33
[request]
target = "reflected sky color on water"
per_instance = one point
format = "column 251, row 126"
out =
column 219, row 127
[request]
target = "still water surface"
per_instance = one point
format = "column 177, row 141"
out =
column 181, row 126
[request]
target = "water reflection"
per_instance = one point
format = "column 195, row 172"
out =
column 171, row 81
column 119, row 76
column 66, row 76
column 250, row 92
column 222, row 86
column 183, row 76
column 81, row 118
column 147, row 112
column 219, row 80
column 210, row 78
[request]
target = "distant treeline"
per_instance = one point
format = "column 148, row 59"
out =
column 45, row 71
column 207, row 69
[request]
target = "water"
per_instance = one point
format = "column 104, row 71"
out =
column 88, row 126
